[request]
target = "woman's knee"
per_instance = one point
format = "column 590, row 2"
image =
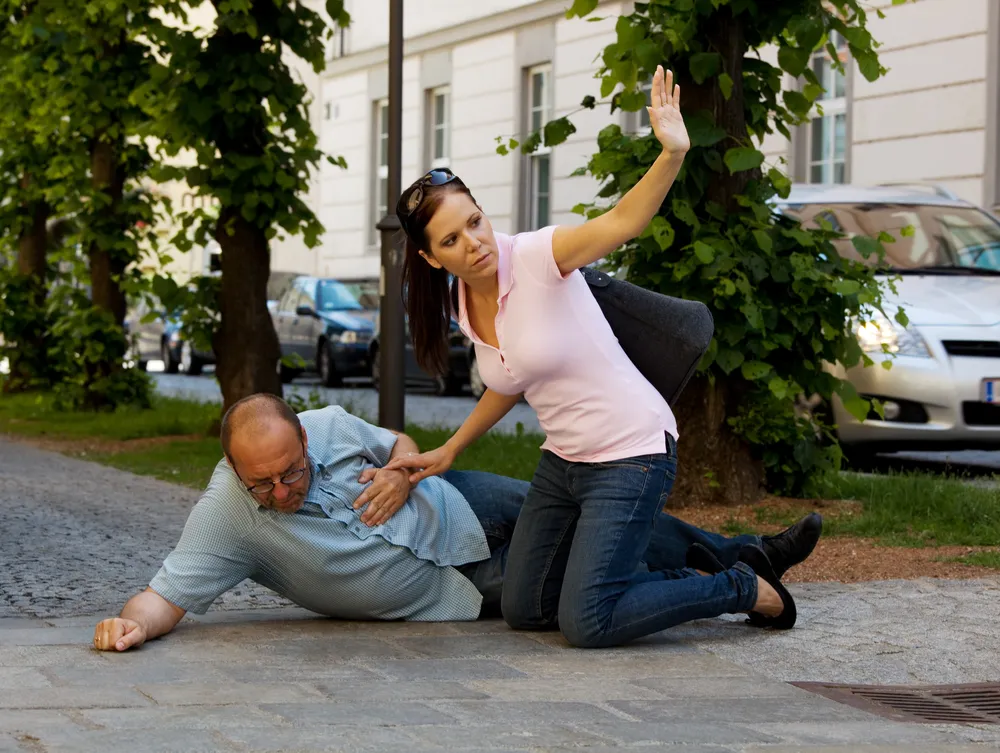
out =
column 520, row 614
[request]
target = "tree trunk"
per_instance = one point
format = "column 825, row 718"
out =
column 106, row 266
column 27, row 357
column 714, row 465
column 246, row 344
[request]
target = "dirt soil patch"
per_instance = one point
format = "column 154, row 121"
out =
column 96, row 445
column 841, row 559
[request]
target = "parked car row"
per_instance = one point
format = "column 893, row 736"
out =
column 160, row 338
column 323, row 327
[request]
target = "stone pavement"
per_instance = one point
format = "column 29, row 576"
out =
column 255, row 674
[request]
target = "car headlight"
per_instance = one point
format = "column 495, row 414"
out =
column 349, row 337
column 880, row 335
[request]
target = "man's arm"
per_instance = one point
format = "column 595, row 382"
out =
column 145, row 616
column 389, row 489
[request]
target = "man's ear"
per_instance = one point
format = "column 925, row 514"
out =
column 430, row 259
column 305, row 439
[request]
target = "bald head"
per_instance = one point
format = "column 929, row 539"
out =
column 267, row 448
column 254, row 416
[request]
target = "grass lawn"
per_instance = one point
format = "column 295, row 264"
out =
column 908, row 509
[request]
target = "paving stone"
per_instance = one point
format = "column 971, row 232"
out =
column 355, row 712
column 858, row 733
column 381, row 690
column 719, row 688
column 331, row 649
column 125, row 674
column 47, row 656
column 474, row 646
column 742, row 710
column 336, row 673
column 48, row 636
column 564, row 689
column 146, row 741
column 446, row 669
column 550, row 735
column 20, row 623
column 216, row 694
column 31, row 720
column 9, row 743
column 620, row 663
column 324, row 738
column 72, row 698
column 675, row 730
column 172, row 717
column 517, row 713
column 14, row 678
column 932, row 748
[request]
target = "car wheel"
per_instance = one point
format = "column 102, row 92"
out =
column 170, row 364
column 143, row 365
column 327, row 369
column 376, row 368
column 190, row 363
column 475, row 380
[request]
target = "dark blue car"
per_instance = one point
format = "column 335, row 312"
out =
column 322, row 327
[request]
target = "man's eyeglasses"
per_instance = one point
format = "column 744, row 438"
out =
column 265, row 487
column 409, row 200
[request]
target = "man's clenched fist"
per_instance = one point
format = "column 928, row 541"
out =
column 117, row 634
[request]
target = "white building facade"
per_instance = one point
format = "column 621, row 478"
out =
column 498, row 68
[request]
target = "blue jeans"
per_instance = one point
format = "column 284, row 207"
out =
column 498, row 501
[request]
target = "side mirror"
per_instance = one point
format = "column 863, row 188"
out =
column 305, row 311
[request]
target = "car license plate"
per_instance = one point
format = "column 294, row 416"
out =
column 991, row 391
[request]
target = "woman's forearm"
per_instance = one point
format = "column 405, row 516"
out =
column 492, row 406
column 638, row 206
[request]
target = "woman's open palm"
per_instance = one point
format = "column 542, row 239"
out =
column 665, row 113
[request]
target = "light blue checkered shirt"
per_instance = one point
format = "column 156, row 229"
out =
column 323, row 557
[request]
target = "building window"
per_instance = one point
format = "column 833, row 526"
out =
column 439, row 132
column 381, row 161
column 828, row 131
column 646, row 87
column 539, row 171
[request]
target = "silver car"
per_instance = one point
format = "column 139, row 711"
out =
column 943, row 390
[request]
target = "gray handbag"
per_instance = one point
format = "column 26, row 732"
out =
column 664, row 337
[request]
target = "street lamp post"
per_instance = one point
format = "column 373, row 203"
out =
column 392, row 338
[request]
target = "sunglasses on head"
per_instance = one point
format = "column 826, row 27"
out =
column 410, row 199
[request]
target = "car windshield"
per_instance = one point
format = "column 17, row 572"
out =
column 334, row 296
column 946, row 239
column 365, row 292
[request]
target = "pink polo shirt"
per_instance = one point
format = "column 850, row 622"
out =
column 558, row 349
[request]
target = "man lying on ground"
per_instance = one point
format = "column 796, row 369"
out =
column 301, row 505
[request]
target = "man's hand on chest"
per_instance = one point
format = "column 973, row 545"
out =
column 386, row 493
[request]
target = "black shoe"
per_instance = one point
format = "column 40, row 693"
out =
column 758, row 562
column 794, row 544
column 700, row 558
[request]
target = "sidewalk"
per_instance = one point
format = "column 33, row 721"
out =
column 258, row 675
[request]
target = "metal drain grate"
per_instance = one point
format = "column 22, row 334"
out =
column 927, row 704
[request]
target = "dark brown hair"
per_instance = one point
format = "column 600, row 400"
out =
column 429, row 303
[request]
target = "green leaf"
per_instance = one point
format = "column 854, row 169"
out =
column 726, row 85
column 781, row 182
column 335, row 9
column 557, row 131
column 589, row 102
column 868, row 65
column 846, row 287
column 794, row 60
column 778, row 387
column 907, row 232
column 662, row 232
column 581, row 8
column 865, row 245
column 728, row 359
column 743, row 158
column 704, row 65
column 702, row 131
column 902, row 318
column 684, row 212
column 797, row 102
column 763, row 240
column 704, row 252
column 754, row 370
